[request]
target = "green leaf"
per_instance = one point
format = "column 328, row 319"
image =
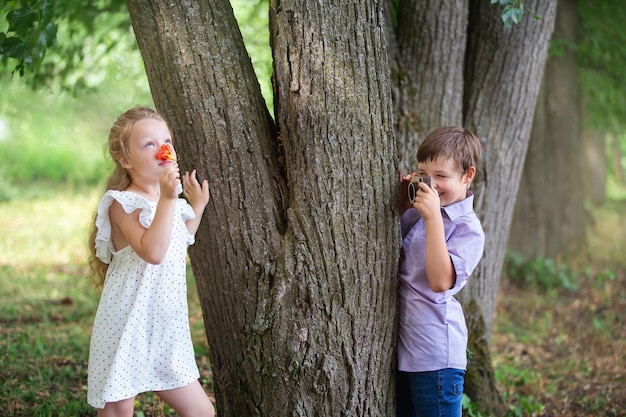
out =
column 48, row 36
column 507, row 16
column 47, row 13
column 13, row 47
column 21, row 20
column 517, row 14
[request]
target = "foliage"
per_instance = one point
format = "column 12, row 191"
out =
column 58, row 137
column 512, row 11
column 470, row 408
column 601, row 59
column 83, row 42
column 29, row 33
column 541, row 273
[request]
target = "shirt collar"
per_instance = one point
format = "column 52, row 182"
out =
column 460, row 208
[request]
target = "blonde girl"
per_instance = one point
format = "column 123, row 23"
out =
column 141, row 340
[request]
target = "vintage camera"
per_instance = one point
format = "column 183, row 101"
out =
column 414, row 185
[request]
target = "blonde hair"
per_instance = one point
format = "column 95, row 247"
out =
column 117, row 146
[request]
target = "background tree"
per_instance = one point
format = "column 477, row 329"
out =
column 582, row 103
column 549, row 217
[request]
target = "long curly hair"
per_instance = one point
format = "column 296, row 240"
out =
column 117, row 146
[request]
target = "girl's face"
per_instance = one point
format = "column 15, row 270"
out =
column 447, row 180
column 144, row 143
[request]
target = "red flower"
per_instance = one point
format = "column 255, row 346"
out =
column 166, row 153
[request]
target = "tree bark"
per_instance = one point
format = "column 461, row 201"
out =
column 503, row 72
column 549, row 219
column 296, row 257
column 427, row 71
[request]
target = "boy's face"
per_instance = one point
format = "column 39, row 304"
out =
column 447, row 179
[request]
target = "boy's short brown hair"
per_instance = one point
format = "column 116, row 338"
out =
column 451, row 142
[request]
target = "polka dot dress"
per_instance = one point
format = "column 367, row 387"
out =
column 141, row 339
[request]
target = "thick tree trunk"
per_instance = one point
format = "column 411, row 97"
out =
column 332, row 101
column 549, row 218
column 296, row 257
column 502, row 79
column 427, row 71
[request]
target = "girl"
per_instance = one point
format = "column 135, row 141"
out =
column 141, row 339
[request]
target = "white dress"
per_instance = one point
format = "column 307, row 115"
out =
column 141, row 339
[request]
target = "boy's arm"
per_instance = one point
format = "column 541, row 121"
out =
column 198, row 196
column 439, row 269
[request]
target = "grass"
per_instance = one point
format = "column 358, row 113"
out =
column 47, row 309
column 558, row 351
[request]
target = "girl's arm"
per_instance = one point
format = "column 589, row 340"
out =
column 198, row 197
column 150, row 244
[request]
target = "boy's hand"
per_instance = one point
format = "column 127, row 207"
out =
column 427, row 202
column 403, row 192
column 197, row 194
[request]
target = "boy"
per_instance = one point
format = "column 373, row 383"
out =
column 442, row 243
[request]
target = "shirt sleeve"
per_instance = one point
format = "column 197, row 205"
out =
column 465, row 246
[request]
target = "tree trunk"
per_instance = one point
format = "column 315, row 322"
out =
column 594, row 166
column 296, row 257
column 427, row 71
column 549, row 219
column 503, row 72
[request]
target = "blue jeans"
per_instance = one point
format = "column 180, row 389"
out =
column 430, row 394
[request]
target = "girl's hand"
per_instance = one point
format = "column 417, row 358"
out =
column 198, row 197
column 169, row 181
column 197, row 194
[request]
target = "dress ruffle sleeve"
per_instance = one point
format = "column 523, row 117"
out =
column 187, row 213
column 130, row 202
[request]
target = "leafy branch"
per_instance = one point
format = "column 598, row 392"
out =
column 30, row 32
column 513, row 11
